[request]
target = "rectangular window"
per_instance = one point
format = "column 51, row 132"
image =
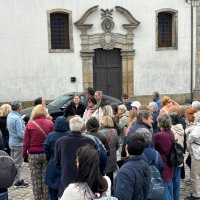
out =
column 59, row 31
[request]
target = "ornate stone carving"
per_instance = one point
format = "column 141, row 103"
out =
column 80, row 23
column 107, row 39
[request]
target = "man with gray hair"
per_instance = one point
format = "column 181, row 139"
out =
column 101, row 102
column 144, row 120
column 16, row 127
column 65, row 152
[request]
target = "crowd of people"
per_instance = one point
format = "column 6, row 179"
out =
column 99, row 150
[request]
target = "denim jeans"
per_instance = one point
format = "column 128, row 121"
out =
column 176, row 183
column 4, row 196
column 16, row 155
column 168, row 190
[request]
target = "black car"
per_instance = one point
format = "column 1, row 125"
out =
column 57, row 106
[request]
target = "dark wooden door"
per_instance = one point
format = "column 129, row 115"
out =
column 107, row 72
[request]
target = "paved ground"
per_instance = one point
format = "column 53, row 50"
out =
column 27, row 194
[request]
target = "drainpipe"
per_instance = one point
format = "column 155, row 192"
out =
column 192, row 52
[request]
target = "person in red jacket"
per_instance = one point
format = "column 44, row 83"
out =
column 36, row 131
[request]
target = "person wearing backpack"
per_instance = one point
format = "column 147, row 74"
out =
column 134, row 176
column 178, row 131
column 164, row 144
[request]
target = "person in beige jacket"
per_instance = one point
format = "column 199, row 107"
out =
column 178, row 131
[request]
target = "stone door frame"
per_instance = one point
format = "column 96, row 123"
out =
column 121, row 41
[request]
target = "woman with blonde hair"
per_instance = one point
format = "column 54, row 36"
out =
column 36, row 131
column 4, row 111
column 113, row 143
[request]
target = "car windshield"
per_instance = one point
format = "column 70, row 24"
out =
column 60, row 101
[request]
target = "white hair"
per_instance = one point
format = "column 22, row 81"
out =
column 154, row 106
column 76, row 123
column 196, row 105
column 122, row 107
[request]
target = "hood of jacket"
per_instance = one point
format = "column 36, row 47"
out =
column 178, row 129
column 61, row 124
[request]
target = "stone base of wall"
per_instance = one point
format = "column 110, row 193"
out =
column 179, row 98
column 196, row 95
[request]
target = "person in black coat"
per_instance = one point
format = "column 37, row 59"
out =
column 52, row 178
column 4, row 111
column 65, row 152
column 74, row 108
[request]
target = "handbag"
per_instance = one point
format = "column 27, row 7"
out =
column 176, row 156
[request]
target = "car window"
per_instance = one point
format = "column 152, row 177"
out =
column 62, row 100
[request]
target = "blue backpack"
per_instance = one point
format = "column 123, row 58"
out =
column 101, row 151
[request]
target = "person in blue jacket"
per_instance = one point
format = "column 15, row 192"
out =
column 52, row 178
column 133, row 178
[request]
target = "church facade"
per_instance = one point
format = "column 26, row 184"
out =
column 49, row 48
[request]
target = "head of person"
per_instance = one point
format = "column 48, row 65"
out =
column 107, row 122
column 136, row 105
column 91, row 102
column 189, row 114
column 196, row 105
column 16, row 106
column 98, row 95
column 144, row 116
column 164, row 122
column 89, row 91
column 197, row 117
column 39, row 111
column 175, row 118
column 87, row 161
column 38, row 101
column 155, row 95
column 153, row 106
column 76, row 99
column 121, row 109
column 146, row 134
column 132, row 117
column 61, row 124
column 92, row 124
column 5, row 110
column 166, row 100
column 76, row 124
column 108, row 111
column 135, row 144
column 114, row 108
column 125, row 99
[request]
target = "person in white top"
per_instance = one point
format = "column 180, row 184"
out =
column 90, row 183
column 194, row 149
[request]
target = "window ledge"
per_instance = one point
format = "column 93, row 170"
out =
column 166, row 48
column 61, row 50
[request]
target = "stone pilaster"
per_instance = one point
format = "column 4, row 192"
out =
column 127, row 72
column 87, row 63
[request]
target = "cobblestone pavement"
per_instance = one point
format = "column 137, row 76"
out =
column 27, row 194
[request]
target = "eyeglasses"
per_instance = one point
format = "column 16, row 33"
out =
column 126, row 97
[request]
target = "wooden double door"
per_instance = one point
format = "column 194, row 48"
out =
column 107, row 72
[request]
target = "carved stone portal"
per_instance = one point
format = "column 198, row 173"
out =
column 107, row 41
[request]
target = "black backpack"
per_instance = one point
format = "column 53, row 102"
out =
column 156, row 188
column 176, row 156
column 8, row 170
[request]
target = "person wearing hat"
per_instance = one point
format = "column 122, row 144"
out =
column 16, row 127
column 126, row 101
column 136, row 105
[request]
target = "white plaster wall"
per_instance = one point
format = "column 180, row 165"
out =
column 28, row 70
